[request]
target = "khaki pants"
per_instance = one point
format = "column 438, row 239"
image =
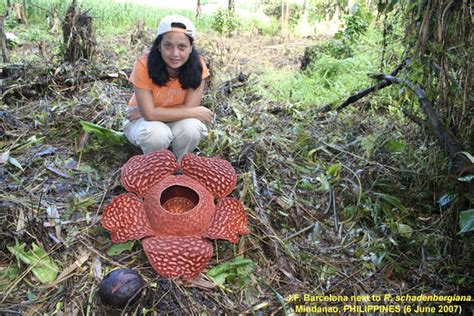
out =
column 183, row 136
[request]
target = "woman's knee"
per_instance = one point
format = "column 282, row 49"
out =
column 154, row 136
column 189, row 130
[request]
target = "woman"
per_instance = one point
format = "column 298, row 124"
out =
column 169, row 82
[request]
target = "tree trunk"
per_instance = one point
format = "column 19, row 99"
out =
column 231, row 6
column 198, row 9
column 23, row 13
column 3, row 42
column 284, row 18
column 55, row 26
column 16, row 6
column 8, row 8
column 78, row 35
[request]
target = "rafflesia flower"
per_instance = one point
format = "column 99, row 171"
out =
column 177, row 214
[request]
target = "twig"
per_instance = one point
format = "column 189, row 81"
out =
column 330, row 199
column 334, row 209
column 299, row 232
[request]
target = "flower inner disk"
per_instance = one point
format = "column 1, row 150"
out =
column 178, row 199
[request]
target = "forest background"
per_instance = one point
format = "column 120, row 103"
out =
column 349, row 124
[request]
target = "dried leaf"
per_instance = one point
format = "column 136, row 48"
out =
column 66, row 273
column 4, row 157
column 15, row 162
column 97, row 268
column 316, row 233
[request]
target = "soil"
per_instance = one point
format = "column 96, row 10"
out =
column 256, row 53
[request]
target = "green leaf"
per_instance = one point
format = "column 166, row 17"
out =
column 392, row 200
column 305, row 185
column 324, row 183
column 239, row 260
column 117, row 249
column 109, row 135
column 240, row 268
column 223, row 267
column 42, row 266
column 220, row 278
column 395, row 146
column 466, row 221
column 334, row 170
column 370, row 144
column 33, row 140
column 405, row 230
column 8, row 274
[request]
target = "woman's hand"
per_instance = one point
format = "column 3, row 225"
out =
column 133, row 114
column 203, row 114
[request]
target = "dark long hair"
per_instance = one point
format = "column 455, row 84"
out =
column 190, row 73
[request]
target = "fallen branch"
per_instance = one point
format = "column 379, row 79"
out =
column 447, row 142
column 359, row 95
column 412, row 117
column 32, row 88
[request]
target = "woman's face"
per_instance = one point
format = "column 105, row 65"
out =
column 175, row 49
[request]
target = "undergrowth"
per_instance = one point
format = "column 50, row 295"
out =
column 348, row 203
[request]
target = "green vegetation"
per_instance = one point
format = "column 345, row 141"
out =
column 356, row 200
column 110, row 17
column 225, row 21
column 327, row 80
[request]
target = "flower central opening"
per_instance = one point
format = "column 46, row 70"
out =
column 178, row 199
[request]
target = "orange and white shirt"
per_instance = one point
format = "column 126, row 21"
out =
column 171, row 94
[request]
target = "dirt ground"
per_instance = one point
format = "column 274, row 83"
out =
column 256, row 53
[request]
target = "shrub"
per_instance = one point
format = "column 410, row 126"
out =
column 355, row 24
column 273, row 9
column 225, row 21
column 268, row 28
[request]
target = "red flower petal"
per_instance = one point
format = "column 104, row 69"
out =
column 125, row 218
column 217, row 175
column 178, row 256
column 143, row 171
column 229, row 221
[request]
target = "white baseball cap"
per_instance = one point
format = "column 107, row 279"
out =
column 166, row 25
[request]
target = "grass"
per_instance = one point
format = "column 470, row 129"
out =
column 113, row 18
column 364, row 170
column 329, row 79
column 110, row 17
